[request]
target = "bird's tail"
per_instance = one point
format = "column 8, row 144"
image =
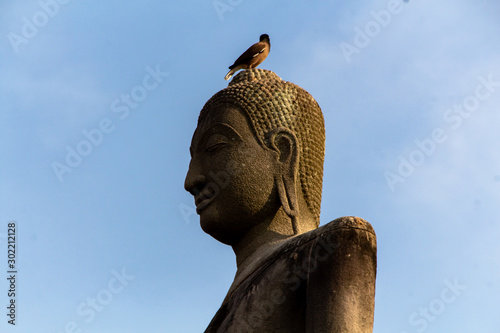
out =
column 230, row 74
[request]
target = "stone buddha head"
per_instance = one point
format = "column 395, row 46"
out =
column 257, row 160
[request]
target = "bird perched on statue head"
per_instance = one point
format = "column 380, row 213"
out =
column 252, row 57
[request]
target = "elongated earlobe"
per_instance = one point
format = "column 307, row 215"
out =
column 284, row 143
column 288, row 199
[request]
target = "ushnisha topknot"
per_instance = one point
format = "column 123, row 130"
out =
column 271, row 103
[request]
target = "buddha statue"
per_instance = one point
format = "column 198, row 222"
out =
column 256, row 175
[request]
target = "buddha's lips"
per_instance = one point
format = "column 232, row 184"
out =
column 203, row 199
column 202, row 205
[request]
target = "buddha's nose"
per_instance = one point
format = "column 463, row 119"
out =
column 194, row 181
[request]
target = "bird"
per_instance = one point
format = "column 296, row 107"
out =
column 252, row 57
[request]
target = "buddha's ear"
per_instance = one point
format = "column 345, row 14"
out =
column 285, row 144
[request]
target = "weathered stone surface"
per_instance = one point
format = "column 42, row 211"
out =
column 256, row 176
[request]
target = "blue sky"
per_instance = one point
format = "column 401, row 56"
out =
column 110, row 242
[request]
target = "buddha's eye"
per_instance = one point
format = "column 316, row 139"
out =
column 215, row 147
column 215, row 143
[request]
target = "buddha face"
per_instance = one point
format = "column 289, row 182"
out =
column 231, row 175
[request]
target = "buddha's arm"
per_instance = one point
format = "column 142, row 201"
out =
column 341, row 290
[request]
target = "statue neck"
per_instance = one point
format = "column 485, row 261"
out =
column 262, row 236
column 260, row 242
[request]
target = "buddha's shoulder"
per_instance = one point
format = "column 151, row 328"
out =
column 342, row 231
column 345, row 222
